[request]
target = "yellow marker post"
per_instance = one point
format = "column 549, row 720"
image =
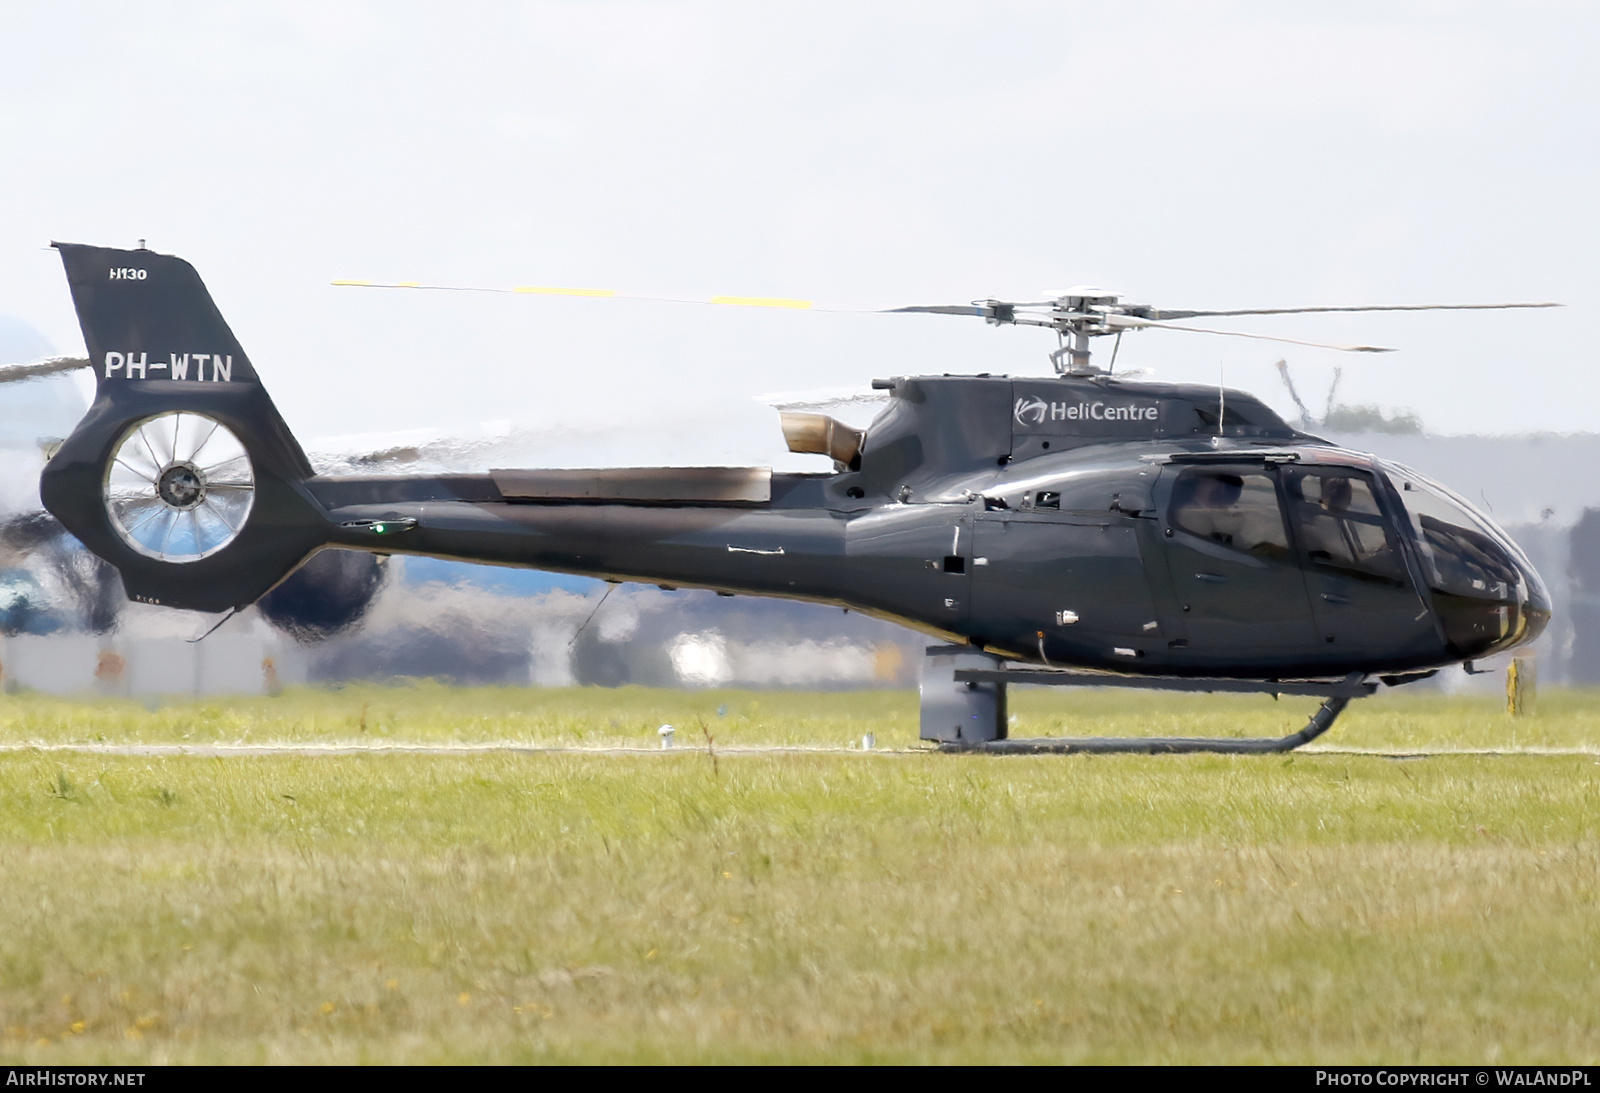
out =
column 1522, row 679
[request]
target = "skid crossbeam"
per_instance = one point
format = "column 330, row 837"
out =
column 964, row 707
column 1320, row 722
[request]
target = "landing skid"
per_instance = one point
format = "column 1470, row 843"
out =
column 964, row 707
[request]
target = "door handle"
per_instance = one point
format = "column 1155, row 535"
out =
column 1331, row 598
column 1215, row 578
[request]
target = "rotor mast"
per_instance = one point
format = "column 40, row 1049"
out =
column 1079, row 314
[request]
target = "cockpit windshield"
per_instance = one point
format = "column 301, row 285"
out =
column 1462, row 553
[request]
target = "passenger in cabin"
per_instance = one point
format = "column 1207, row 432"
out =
column 1237, row 511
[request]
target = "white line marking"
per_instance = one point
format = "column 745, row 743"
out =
column 225, row 751
column 222, row 751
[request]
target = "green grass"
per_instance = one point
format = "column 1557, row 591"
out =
column 513, row 907
column 425, row 711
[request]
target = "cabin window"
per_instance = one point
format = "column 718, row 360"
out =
column 1239, row 511
column 1340, row 526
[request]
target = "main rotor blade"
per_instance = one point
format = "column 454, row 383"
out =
column 1001, row 310
column 987, row 309
column 602, row 293
column 47, row 367
column 944, row 309
column 1162, row 314
column 1118, row 317
column 821, row 398
column 1130, row 323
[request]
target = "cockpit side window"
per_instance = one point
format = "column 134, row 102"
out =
column 1239, row 511
column 1340, row 526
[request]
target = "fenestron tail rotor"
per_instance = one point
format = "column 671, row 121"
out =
column 179, row 487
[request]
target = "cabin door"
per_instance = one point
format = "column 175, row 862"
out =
column 1361, row 593
column 1239, row 589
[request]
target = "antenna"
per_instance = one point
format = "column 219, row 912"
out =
column 1222, row 395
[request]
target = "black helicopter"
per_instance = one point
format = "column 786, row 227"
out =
column 1075, row 529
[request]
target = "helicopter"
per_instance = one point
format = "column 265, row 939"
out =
column 1075, row 529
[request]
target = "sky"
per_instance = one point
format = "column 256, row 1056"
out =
column 859, row 154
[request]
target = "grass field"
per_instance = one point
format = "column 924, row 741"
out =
column 567, row 906
column 629, row 717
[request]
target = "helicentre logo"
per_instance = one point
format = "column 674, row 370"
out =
column 1033, row 410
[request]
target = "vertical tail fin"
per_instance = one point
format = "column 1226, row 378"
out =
column 148, row 317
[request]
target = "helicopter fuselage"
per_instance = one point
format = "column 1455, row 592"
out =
column 1139, row 528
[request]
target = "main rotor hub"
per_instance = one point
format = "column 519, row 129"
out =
column 1075, row 314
